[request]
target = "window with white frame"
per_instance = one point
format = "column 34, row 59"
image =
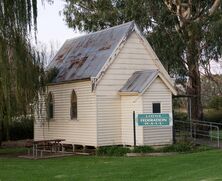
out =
column 156, row 107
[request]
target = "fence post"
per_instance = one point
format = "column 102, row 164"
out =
column 190, row 117
column 195, row 129
column 218, row 137
column 174, row 133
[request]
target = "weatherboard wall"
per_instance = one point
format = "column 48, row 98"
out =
column 81, row 131
column 132, row 57
column 128, row 105
column 158, row 92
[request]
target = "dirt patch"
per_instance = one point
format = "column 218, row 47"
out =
column 13, row 148
column 11, row 155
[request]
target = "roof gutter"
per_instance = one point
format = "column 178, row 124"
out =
column 128, row 93
column 68, row 82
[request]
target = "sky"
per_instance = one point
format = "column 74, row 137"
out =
column 52, row 29
column 215, row 67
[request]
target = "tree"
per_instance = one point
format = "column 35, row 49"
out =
column 20, row 64
column 211, row 90
column 184, row 33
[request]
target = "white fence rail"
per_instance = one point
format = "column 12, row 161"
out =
column 200, row 132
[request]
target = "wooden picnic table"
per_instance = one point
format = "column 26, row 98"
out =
column 54, row 145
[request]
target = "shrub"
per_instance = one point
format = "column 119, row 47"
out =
column 216, row 102
column 179, row 147
column 202, row 148
column 112, row 151
column 213, row 115
column 51, row 74
column 21, row 128
column 143, row 149
column 180, row 116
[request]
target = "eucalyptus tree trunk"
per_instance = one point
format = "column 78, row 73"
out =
column 194, row 84
column 1, row 131
column 194, row 89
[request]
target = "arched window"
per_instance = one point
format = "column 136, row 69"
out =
column 73, row 108
column 50, row 111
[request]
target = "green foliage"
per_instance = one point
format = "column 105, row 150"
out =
column 202, row 148
column 112, row 151
column 21, row 67
column 214, row 134
column 180, row 116
column 50, row 75
column 179, row 147
column 216, row 102
column 213, row 115
column 143, row 149
column 210, row 89
column 21, row 128
column 184, row 147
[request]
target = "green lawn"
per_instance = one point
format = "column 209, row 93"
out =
column 196, row 166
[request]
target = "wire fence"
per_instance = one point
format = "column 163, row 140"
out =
column 200, row 132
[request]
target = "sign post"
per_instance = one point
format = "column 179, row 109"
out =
column 134, row 129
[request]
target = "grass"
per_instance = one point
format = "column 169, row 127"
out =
column 205, row 165
column 12, row 151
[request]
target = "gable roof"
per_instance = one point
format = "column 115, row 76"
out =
column 140, row 81
column 85, row 56
column 89, row 56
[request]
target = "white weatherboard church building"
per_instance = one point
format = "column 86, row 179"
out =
column 102, row 78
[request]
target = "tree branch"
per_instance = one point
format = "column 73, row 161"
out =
column 214, row 7
column 182, row 11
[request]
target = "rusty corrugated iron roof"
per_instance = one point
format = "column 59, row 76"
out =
column 139, row 81
column 84, row 57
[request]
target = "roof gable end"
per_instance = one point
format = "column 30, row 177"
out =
column 140, row 81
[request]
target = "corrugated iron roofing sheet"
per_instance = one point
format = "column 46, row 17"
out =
column 84, row 57
column 139, row 81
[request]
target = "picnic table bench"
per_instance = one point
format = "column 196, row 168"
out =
column 52, row 145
